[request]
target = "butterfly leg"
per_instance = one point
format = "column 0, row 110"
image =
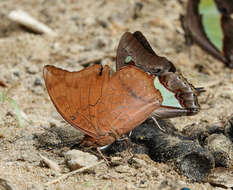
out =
column 102, row 155
column 126, row 139
column 128, row 147
column 156, row 122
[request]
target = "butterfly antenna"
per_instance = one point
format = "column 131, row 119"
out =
column 156, row 122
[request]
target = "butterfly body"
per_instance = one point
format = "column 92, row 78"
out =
column 102, row 107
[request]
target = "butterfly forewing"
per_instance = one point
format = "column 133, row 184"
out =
column 75, row 94
column 102, row 107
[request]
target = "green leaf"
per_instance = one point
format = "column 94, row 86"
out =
column 211, row 21
column 17, row 111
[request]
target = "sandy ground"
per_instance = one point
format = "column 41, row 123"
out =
column 88, row 30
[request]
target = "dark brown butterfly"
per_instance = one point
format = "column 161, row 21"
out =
column 135, row 49
column 102, row 107
column 212, row 29
column 179, row 96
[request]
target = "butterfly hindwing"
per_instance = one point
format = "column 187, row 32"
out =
column 141, row 38
column 137, row 48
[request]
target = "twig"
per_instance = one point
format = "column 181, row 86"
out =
column 51, row 164
column 73, row 172
column 28, row 21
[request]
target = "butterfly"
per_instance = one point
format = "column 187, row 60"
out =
column 103, row 107
column 209, row 23
column 179, row 97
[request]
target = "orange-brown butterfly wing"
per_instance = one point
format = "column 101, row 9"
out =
column 102, row 108
column 127, row 101
column 76, row 94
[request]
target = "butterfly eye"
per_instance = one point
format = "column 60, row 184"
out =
column 128, row 59
column 172, row 67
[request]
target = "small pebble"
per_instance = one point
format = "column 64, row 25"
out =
column 221, row 177
column 100, row 42
column 123, row 169
column 102, row 22
column 76, row 159
column 17, row 74
column 35, row 187
column 222, row 149
column 116, row 159
column 32, row 69
column 140, row 162
column 37, row 82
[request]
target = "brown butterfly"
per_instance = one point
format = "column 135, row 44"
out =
column 179, row 96
column 104, row 107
